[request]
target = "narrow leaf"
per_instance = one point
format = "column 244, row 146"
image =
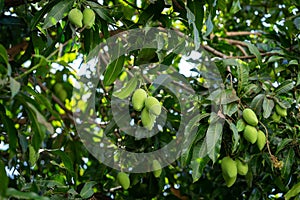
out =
column 294, row 191
column 3, row 178
column 57, row 13
column 33, row 155
column 14, row 87
column 235, row 7
column 100, row 11
column 268, row 105
column 113, row 70
column 3, row 54
column 235, row 136
column 254, row 50
column 256, row 103
column 213, row 140
column 284, row 87
column 288, row 163
column 87, row 190
column 127, row 89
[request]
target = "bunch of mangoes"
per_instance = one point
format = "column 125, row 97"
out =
column 231, row 168
column 149, row 106
column 249, row 128
column 79, row 19
column 279, row 112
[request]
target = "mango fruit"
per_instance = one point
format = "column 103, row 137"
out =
column 123, row 180
column 229, row 181
column 157, row 168
column 242, row 168
column 138, row 99
column 75, row 16
column 280, row 111
column 261, row 140
column 240, row 125
column 250, row 134
column 153, row 105
column 229, row 167
column 88, row 18
column 250, row 117
column 275, row 117
column 147, row 119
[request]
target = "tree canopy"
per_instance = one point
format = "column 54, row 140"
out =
column 217, row 115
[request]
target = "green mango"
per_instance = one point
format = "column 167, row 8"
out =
column 153, row 105
column 88, row 18
column 275, row 117
column 280, row 111
column 250, row 117
column 123, row 180
column 157, row 168
column 261, row 140
column 229, row 167
column 147, row 119
column 138, row 99
column 250, row 134
column 229, row 180
column 242, row 168
column 75, row 16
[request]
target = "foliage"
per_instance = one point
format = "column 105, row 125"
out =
column 255, row 46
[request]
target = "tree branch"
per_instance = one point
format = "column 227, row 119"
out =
column 241, row 33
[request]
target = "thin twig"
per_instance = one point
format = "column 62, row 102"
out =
column 241, row 33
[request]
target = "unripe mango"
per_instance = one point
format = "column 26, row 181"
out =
column 229, row 168
column 138, row 99
column 147, row 119
column 157, row 168
column 229, row 181
column 250, row 134
column 250, row 117
column 88, row 18
column 275, row 117
column 123, row 180
column 242, row 168
column 280, row 111
column 153, row 105
column 261, row 140
column 75, row 16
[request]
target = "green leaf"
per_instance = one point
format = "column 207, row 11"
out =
column 288, row 163
column 243, row 75
column 254, row 50
column 113, row 70
column 195, row 16
column 87, row 190
column 57, row 13
column 11, row 192
column 220, row 96
column 284, row 87
column 127, row 89
column 199, row 160
column 235, row 135
column 213, row 140
column 33, row 155
column 274, row 58
column 65, row 159
column 14, row 87
column 297, row 22
column 209, row 25
column 41, row 119
column 235, row 7
column 283, row 144
column 11, row 131
column 268, row 105
column 4, row 179
column 3, row 54
column 230, row 109
column 256, row 103
column 293, row 62
column 100, row 11
column 295, row 190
